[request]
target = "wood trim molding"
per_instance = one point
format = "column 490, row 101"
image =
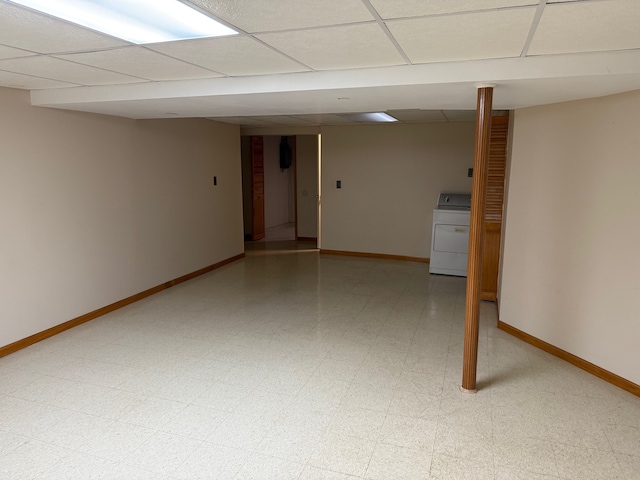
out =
column 589, row 367
column 375, row 255
column 50, row 332
column 488, row 297
column 294, row 158
column 476, row 239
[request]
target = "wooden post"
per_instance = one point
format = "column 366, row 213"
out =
column 474, row 271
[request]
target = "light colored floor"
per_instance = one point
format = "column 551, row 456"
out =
column 279, row 233
column 291, row 365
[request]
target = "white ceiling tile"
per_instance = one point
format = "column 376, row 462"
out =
column 470, row 36
column 140, row 62
column 17, row 80
column 333, row 48
column 63, row 71
column 247, row 121
column 271, row 15
column 234, row 56
column 23, row 28
column 10, row 52
column 418, row 116
column 587, row 27
column 284, row 120
column 415, row 8
column 460, row 115
column 325, row 119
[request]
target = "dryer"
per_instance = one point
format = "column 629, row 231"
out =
column 450, row 235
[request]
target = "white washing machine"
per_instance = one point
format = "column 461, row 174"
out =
column 450, row 235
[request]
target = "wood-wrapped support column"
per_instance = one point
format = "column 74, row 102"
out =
column 476, row 228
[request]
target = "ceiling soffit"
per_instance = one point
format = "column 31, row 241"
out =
column 402, row 51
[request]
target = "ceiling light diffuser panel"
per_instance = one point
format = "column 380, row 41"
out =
column 139, row 21
column 374, row 117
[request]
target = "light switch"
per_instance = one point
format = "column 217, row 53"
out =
column 339, row 184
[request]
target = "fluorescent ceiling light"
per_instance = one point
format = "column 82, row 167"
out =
column 377, row 117
column 138, row 21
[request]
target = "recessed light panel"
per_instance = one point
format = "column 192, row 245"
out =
column 139, row 21
column 375, row 117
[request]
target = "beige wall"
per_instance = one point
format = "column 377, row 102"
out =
column 96, row 208
column 307, row 182
column 571, row 257
column 391, row 177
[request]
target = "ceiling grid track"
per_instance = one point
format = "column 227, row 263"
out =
column 270, row 47
column 180, row 60
column 241, row 32
column 386, row 30
column 210, row 15
column 534, row 27
column 315, row 27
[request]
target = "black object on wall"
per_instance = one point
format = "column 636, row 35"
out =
column 285, row 153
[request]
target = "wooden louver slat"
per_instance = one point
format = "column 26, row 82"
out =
column 494, row 201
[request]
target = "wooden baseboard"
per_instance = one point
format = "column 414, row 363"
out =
column 306, row 239
column 50, row 332
column 375, row 255
column 490, row 297
column 599, row 372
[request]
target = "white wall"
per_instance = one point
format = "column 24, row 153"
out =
column 307, row 181
column 391, row 177
column 278, row 186
column 96, row 208
column 571, row 256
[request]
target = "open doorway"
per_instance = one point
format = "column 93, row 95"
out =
column 281, row 201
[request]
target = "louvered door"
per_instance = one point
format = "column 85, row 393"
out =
column 493, row 206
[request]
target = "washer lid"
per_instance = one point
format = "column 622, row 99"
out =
column 454, row 201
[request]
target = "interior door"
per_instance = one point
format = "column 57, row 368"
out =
column 257, row 187
column 497, row 163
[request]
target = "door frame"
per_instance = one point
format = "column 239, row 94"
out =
column 257, row 183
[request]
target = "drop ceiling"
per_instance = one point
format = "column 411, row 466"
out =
column 308, row 62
